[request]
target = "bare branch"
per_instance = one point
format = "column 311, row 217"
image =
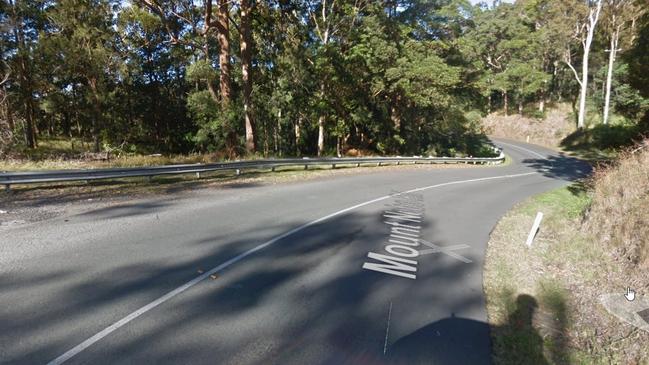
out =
column 6, row 77
column 567, row 61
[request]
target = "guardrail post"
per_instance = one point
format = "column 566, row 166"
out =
column 8, row 188
column 238, row 172
column 306, row 167
column 272, row 169
column 198, row 175
column 333, row 165
column 378, row 164
column 398, row 163
column 358, row 165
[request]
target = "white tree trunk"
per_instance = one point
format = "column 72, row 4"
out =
column 297, row 135
column 593, row 17
column 609, row 75
column 321, row 121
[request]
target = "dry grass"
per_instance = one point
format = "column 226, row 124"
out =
column 619, row 214
column 592, row 242
column 100, row 161
column 547, row 132
column 59, row 153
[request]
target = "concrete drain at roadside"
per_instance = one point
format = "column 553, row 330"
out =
column 635, row 312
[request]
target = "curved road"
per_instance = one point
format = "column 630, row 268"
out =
column 380, row 268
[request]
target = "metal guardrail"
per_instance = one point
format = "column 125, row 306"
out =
column 35, row 177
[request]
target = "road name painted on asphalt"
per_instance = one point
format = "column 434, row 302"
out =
column 405, row 214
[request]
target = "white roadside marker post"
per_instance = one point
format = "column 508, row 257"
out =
column 535, row 228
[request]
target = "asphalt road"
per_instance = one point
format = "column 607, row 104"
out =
column 272, row 274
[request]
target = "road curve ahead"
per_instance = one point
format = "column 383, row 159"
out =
column 378, row 268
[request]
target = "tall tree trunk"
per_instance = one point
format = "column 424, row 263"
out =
column 321, row 122
column 609, row 75
column 246, row 69
column 24, row 80
column 298, row 126
column 506, row 102
column 593, row 17
column 338, row 153
column 489, row 103
column 520, row 107
column 265, row 126
column 206, row 46
column 223, row 27
column 30, row 128
column 96, row 120
column 584, row 88
column 278, row 133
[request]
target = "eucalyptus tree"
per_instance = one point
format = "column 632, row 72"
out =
column 584, row 18
column 620, row 17
column 20, row 32
column 331, row 21
column 498, row 41
column 83, row 40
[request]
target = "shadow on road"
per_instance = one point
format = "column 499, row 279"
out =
column 305, row 299
column 449, row 341
column 560, row 167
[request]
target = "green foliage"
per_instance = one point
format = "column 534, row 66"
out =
column 216, row 126
column 625, row 100
column 201, row 71
column 638, row 58
column 385, row 77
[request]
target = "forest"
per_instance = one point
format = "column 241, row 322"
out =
column 309, row 77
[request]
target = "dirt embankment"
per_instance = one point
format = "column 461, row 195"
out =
column 619, row 213
column 547, row 132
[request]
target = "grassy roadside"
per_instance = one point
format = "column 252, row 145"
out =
column 543, row 301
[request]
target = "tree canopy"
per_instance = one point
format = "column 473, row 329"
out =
column 300, row 77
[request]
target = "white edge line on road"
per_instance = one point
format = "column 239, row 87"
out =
column 524, row 149
column 113, row 327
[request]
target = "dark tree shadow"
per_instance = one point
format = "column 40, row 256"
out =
column 593, row 143
column 560, row 167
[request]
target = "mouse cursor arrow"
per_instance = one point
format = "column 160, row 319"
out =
column 630, row 294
